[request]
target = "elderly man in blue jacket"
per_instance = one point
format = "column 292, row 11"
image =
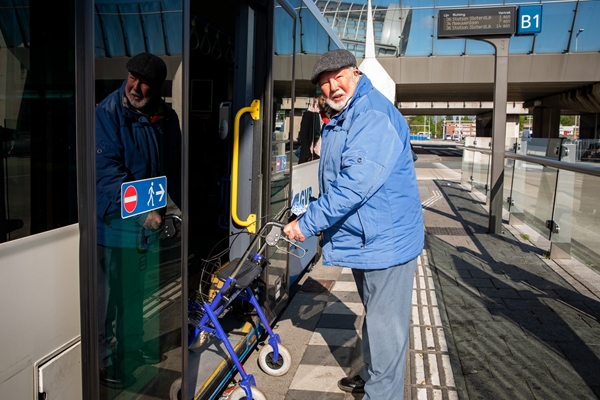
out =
column 370, row 214
column 137, row 137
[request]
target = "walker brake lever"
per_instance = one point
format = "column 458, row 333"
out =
column 295, row 244
column 272, row 239
column 169, row 229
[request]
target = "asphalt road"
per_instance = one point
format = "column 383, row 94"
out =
column 438, row 151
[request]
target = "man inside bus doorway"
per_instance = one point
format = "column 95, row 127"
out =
column 137, row 137
column 370, row 214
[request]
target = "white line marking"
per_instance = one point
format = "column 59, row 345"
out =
column 437, row 320
column 426, row 317
column 448, row 370
column 429, row 338
column 428, row 335
column 415, row 316
column 433, row 369
column 419, row 369
column 416, row 331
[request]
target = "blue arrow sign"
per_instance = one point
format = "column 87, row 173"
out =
column 530, row 20
column 141, row 196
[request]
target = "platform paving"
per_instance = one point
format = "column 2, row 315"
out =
column 493, row 317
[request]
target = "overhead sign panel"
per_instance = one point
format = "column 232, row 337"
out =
column 530, row 20
column 476, row 22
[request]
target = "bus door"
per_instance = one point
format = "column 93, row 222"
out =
column 139, row 196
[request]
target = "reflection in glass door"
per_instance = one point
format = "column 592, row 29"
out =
column 138, row 183
column 281, row 156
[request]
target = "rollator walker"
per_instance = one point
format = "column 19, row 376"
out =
column 213, row 298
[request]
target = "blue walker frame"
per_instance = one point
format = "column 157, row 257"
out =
column 211, row 310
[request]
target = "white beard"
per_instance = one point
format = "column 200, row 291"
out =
column 341, row 104
column 137, row 104
column 338, row 105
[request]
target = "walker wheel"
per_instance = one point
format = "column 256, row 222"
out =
column 199, row 341
column 175, row 390
column 240, row 394
column 279, row 368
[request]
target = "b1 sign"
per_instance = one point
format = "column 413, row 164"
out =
column 529, row 20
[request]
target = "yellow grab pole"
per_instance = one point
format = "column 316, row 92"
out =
column 254, row 111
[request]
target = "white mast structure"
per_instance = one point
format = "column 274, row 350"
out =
column 371, row 67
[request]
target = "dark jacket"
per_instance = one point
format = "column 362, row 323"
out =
column 130, row 147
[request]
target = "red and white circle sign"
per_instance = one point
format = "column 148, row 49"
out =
column 130, row 199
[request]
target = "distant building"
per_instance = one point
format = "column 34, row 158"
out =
column 457, row 130
column 572, row 130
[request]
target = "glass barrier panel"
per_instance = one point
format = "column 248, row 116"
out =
column 481, row 169
column 509, row 166
column 467, row 167
column 587, row 150
column 577, row 215
column 469, row 141
column 535, row 147
column 532, row 194
column 483, row 142
column 510, row 144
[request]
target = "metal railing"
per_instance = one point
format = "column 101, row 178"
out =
column 551, row 185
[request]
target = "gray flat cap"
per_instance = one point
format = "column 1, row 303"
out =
column 149, row 67
column 332, row 61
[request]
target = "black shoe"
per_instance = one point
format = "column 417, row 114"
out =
column 114, row 378
column 150, row 357
column 352, row 385
column 144, row 357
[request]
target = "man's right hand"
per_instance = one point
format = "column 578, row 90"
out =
column 153, row 220
column 293, row 232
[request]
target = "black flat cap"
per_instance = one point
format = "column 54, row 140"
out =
column 332, row 61
column 149, row 67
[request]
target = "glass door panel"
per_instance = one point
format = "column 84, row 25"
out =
column 37, row 119
column 138, row 183
column 276, row 275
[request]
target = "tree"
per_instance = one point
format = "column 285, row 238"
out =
column 416, row 123
column 566, row 120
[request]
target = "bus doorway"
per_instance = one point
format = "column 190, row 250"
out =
column 228, row 71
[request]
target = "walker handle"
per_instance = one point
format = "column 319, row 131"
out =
column 272, row 239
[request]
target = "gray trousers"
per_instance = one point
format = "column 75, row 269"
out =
column 386, row 295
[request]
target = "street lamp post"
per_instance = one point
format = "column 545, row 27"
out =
column 577, row 37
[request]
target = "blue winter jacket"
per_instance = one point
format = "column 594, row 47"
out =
column 369, row 210
column 130, row 147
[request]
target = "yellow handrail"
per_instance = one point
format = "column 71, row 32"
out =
column 254, row 111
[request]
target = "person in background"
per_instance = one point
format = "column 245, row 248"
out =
column 369, row 212
column 137, row 137
column 324, row 114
